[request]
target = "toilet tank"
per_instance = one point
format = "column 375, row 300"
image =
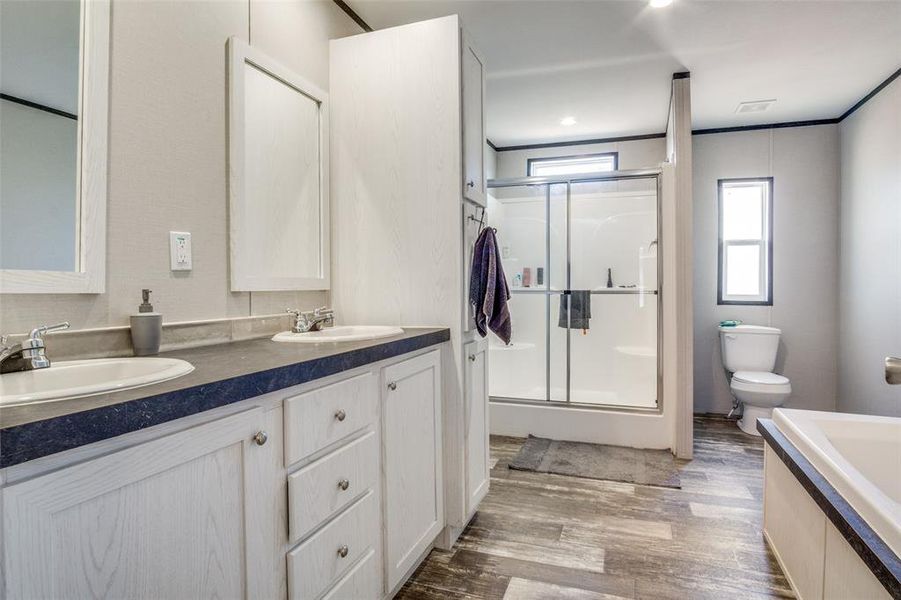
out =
column 749, row 347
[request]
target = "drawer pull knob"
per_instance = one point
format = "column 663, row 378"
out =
column 340, row 414
column 472, row 357
column 343, row 484
column 342, row 551
column 260, row 438
column 392, row 386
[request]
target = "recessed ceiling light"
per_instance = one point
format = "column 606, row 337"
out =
column 754, row 106
column 567, row 121
column 660, row 3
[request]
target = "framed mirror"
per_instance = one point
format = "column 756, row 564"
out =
column 54, row 70
column 278, row 176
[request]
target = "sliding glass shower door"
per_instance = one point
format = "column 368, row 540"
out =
column 581, row 256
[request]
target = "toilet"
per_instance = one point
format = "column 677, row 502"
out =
column 749, row 354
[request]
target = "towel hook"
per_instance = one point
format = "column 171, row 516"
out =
column 480, row 220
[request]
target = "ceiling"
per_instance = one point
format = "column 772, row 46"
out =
column 609, row 63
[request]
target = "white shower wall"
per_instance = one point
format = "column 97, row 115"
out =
column 614, row 362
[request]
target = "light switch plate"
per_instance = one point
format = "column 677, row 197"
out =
column 180, row 251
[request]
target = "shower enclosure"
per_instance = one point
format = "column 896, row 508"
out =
column 574, row 245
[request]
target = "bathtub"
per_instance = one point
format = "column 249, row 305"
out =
column 860, row 456
column 832, row 502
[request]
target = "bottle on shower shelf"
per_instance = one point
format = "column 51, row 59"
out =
column 609, row 277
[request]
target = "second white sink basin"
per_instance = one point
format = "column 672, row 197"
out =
column 77, row 378
column 343, row 333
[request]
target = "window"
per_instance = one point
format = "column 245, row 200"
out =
column 571, row 165
column 746, row 241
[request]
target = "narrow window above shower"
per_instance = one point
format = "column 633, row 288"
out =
column 572, row 165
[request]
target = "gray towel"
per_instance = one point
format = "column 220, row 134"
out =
column 488, row 291
column 577, row 312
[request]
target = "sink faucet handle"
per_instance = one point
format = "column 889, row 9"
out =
column 38, row 332
column 323, row 311
column 293, row 311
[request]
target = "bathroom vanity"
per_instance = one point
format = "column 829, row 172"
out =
column 312, row 471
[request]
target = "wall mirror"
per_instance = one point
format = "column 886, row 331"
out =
column 54, row 65
column 278, row 176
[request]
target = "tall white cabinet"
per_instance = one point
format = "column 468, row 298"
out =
column 407, row 169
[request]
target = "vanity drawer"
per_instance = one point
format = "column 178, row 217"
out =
column 362, row 581
column 315, row 419
column 315, row 492
column 317, row 563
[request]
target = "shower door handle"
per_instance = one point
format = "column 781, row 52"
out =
column 893, row 370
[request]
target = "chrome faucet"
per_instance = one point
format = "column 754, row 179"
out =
column 312, row 320
column 30, row 354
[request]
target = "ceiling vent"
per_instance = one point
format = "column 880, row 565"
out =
column 755, row 106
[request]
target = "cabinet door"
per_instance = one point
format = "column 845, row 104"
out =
column 189, row 515
column 473, row 124
column 412, row 465
column 476, row 422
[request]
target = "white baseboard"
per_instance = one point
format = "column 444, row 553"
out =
column 618, row 428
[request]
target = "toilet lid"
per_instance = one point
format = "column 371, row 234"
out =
column 759, row 377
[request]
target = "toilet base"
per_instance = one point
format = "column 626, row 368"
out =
column 750, row 414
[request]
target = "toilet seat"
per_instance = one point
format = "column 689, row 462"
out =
column 761, row 377
column 760, row 381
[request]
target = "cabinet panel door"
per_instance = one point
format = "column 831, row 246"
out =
column 188, row 515
column 476, row 422
column 473, row 124
column 412, row 464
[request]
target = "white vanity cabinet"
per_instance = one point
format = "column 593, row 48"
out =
column 190, row 514
column 473, row 83
column 413, row 492
column 475, row 398
column 329, row 489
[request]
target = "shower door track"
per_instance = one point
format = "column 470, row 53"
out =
column 569, row 180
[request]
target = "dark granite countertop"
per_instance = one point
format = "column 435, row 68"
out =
column 874, row 552
column 223, row 374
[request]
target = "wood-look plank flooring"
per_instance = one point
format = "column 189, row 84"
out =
column 538, row 535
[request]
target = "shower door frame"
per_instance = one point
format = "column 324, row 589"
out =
column 569, row 181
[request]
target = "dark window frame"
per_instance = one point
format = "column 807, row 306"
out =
column 769, row 242
column 615, row 156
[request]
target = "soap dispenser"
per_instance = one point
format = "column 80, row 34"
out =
column 146, row 327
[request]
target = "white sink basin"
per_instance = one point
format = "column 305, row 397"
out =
column 343, row 333
column 77, row 378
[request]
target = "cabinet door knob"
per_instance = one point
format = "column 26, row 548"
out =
column 340, row 414
column 392, row 386
column 470, row 183
column 342, row 551
column 472, row 357
column 343, row 484
column 260, row 438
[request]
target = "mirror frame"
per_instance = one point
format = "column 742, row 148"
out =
column 245, row 277
column 91, row 178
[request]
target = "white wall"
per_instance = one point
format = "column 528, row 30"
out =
column 635, row 154
column 870, row 284
column 167, row 165
column 804, row 163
